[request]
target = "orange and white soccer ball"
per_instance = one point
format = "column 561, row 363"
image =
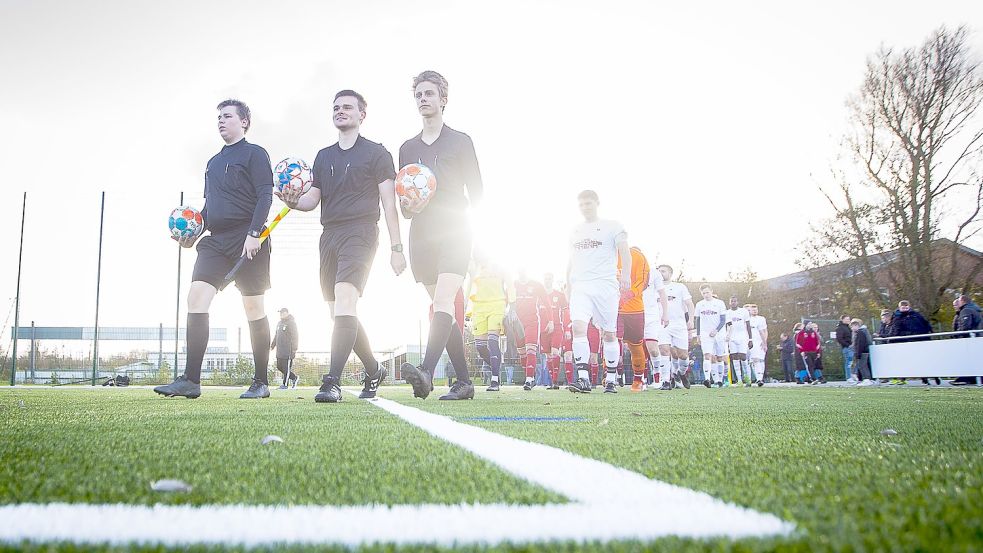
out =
column 416, row 181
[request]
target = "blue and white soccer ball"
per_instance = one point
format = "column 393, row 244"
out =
column 292, row 173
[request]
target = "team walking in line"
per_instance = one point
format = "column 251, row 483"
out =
column 613, row 299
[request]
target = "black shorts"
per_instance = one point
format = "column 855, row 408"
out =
column 253, row 278
column 436, row 249
column 347, row 252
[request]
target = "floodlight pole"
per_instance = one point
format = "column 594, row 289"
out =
column 177, row 305
column 20, row 258
column 95, row 330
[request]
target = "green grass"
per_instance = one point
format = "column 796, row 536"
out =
column 814, row 457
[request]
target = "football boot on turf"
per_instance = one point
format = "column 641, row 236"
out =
column 610, row 388
column 180, row 387
column 706, row 382
column 257, row 390
column 529, row 385
column 637, row 385
column 459, row 390
column 370, row 385
column 665, row 385
column 293, row 380
column 419, row 378
column 330, row 391
column 684, row 380
column 493, row 387
column 761, row 383
column 581, row 385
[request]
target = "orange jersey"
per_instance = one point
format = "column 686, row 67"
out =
column 631, row 301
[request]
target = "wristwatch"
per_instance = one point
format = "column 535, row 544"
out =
column 254, row 233
column 398, row 248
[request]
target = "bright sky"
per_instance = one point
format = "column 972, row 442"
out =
column 704, row 128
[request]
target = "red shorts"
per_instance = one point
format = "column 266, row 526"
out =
column 631, row 327
column 552, row 340
column 531, row 329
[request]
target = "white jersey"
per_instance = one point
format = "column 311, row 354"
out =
column 678, row 295
column 738, row 319
column 594, row 250
column 758, row 325
column 650, row 296
column 709, row 312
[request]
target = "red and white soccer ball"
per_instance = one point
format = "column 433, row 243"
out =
column 185, row 221
column 292, row 173
column 416, row 181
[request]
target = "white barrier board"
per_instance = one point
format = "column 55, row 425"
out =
column 954, row 357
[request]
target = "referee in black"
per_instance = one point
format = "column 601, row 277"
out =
column 440, row 234
column 351, row 177
column 285, row 341
column 238, row 195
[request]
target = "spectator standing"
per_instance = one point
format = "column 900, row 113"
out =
column 807, row 344
column 968, row 317
column 909, row 322
column 860, row 340
column 285, row 341
column 844, row 337
column 786, row 345
column 801, row 375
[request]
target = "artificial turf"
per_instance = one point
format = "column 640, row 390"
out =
column 815, row 457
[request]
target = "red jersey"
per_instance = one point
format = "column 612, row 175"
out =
column 531, row 301
column 807, row 341
column 559, row 308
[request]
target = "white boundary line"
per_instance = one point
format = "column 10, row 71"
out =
column 600, row 495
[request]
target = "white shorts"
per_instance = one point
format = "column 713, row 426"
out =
column 596, row 300
column 738, row 346
column 654, row 329
column 757, row 352
column 713, row 346
column 675, row 335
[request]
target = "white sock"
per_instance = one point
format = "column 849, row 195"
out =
column 612, row 355
column 581, row 350
column 529, row 379
column 666, row 365
column 611, row 375
column 585, row 374
column 494, row 378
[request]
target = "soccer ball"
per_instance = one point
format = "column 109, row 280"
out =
column 416, row 181
column 292, row 173
column 185, row 221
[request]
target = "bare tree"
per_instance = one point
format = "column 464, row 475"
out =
column 914, row 175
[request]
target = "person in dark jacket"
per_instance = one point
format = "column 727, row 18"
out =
column 908, row 322
column 968, row 317
column 844, row 337
column 786, row 345
column 860, row 340
column 286, row 341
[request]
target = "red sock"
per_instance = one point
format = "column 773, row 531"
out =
column 569, row 369
column 531, row 365
column 554, row 365
column 593, row 373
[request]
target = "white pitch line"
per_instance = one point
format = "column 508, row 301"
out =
column 600, row 494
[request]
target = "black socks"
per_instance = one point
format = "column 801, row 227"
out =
column 343, row 339
column 259, row 336
column 196, row 341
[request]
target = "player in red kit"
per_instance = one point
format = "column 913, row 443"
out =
column 533, row 308
column 557, row 331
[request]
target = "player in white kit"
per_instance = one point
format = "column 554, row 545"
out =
column 656, row 334
column 710, row 320
column 759, row 337
column 739, row 342
column 595, row 288
column 682, row 325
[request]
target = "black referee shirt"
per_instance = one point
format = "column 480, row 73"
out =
column 349, row 181
column 238, row 189
column 452, row 159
